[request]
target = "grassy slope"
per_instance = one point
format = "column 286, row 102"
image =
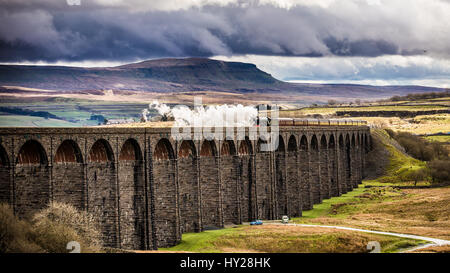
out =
column 423, row 212
column 416, row 211
column 400, row 164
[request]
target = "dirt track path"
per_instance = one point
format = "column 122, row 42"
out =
column 434, row 241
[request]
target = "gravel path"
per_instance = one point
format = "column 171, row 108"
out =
column 434, row 241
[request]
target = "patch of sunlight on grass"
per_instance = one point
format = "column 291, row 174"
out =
column 401, row 244
column 440, row 138
column 325, row 207
column 400, row 164
column 201, row 241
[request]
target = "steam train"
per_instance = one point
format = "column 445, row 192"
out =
column 308, row 122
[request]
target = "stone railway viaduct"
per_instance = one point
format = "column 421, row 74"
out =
column 147, row 188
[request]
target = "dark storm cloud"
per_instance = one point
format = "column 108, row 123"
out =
column 51, row 30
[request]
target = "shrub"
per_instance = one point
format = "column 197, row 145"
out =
column 49, row 230
column 61, row 223
column 421, row 96
column 53, row 237
column 419, row 148
column 332, row 102
column 15, row 233
column 390, row 132
column 416, row 175
column 440, row 171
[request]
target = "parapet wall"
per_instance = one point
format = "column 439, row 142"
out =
column 147, row 188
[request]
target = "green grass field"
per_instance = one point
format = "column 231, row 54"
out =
column 271, row 238
column 332, row 110
column 441, row 138
column 400, row 164
column 74, row 112
column 28, row 121
column 326, row 206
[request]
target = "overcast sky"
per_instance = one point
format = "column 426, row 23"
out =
column 360, row 41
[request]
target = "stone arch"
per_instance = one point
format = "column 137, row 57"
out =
column 32, row 178
column 68, row 152
column 68, row 175
column 281, row 147
column 303, row 143
column 187, row 149
column 228, row 148
column 132, row 196
column 101, row 151
column 314, row 143
column 102, row 189
column 208, row 148
column 130, row 151
column 188, row 187
column 246, row 186
column 332, row 166
column 228, row 178
column 304, row 173
column 280, row 176
column 32, row 152
column 315, row 170
column 324, row 174
column 163, row 150
column 5, row 186
column 245, row 147
column 4, row 159
column 331, row 142
column 165, row 195
column 209, row 185
column 294, row 199
column 292, row 144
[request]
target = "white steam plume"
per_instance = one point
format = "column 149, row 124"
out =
column 162, row 108
column 210, row 116
column 144, row 117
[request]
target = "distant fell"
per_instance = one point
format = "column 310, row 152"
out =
column 200, row 71
column 162, row 75
column 171, row 75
